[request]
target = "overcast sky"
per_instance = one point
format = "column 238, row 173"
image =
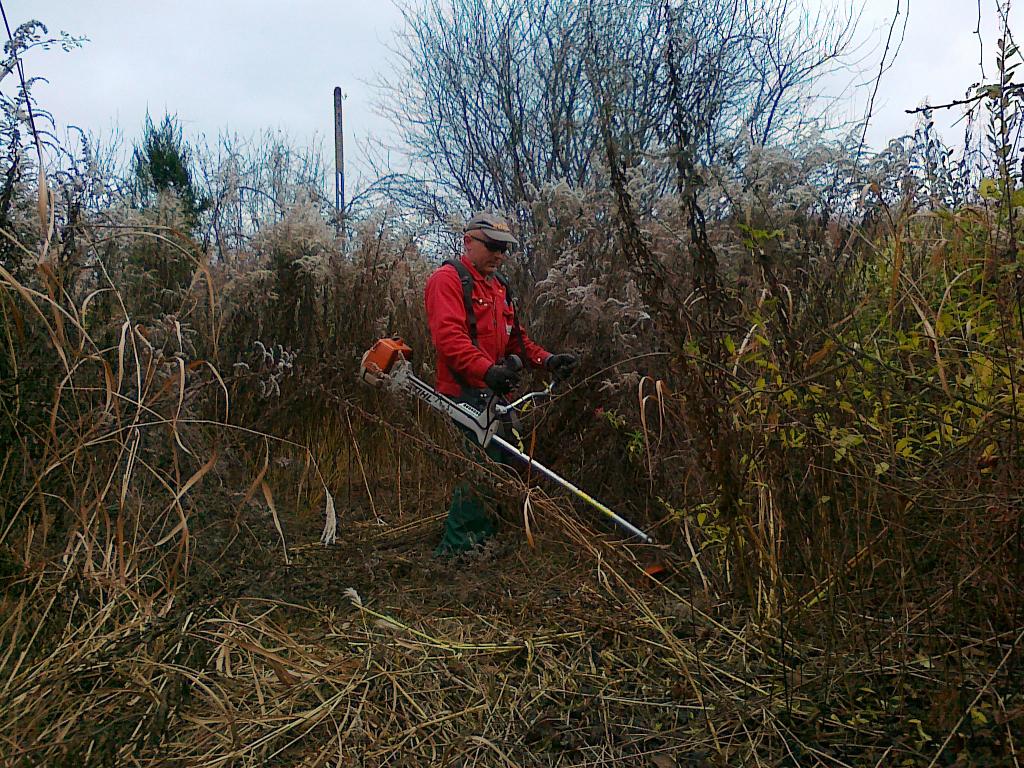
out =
column 247, row 66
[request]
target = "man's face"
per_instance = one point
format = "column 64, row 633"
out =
column 479, row 252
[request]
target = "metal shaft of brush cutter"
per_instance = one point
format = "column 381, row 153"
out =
column 532, row 464
column 483, row 425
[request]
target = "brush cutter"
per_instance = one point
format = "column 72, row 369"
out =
column 387, row 364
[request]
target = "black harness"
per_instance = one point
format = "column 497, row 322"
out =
column 467, row 297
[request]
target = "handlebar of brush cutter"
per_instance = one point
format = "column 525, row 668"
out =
column 516, row 364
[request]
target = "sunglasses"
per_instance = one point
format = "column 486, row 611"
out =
column 492, row 246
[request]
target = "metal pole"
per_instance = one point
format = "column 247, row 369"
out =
column 619, row 521
column 339, row 158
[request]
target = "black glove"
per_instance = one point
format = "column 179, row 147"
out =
column 501, row 378
column 562, row 365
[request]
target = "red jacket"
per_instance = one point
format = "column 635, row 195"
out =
column 457, row 358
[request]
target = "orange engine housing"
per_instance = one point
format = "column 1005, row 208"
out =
column 382, row 356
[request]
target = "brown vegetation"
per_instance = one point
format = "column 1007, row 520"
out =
column 800, row 370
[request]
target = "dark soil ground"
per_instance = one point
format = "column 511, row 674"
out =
column 566, row 654
column 524, row 655
column 560, row 652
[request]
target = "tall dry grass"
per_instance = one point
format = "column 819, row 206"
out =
column 827, row 449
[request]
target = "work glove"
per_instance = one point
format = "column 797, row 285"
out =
column 562, row 365
column 502, row 379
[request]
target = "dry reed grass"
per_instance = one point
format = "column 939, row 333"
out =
column 167, row 601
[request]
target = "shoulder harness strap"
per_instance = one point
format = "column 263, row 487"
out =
column 510, row 298
column 467, row 297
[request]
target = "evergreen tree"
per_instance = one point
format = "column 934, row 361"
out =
column 163, row 162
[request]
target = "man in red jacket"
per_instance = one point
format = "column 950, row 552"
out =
column 472, row 349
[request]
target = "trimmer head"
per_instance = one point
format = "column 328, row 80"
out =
column 654, row 574
column 657, row 571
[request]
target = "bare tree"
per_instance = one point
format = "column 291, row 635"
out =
column 250, row 182
column 495, row 97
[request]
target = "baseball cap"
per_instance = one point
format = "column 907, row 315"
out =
column 494, row 227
